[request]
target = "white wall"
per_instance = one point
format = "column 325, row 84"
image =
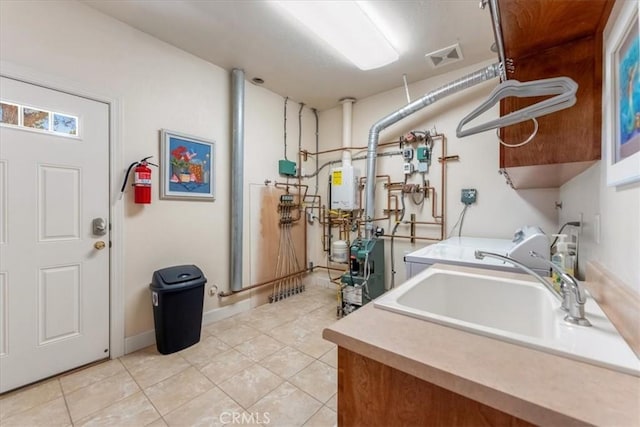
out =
column 616, row 242
column 159, row 86
column 500, row 210
column 618, row 245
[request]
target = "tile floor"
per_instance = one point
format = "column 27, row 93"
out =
column 267, row 366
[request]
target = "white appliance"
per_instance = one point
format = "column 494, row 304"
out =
column 460, row 251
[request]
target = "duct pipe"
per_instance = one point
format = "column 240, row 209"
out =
column 237, row 172
column 456, row 86
column 347, row 115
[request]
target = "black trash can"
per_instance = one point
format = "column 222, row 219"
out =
column 177, row 295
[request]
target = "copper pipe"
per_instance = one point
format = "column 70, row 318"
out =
column 268, row 282
column 443, row 181
column 301, row 197
column 388, row 178
column 395, row 186
column 401, row 236
column 306, row 261
column 325, row 236
column 412, row 228
column 422, row 222
column 395, row 198
column 434, row 198
column 326, row 267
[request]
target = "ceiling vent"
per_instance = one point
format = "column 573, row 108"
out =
column 445, row 56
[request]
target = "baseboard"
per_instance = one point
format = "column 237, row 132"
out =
column 619, row 302
column 147, row 338
column 227, row 311
column 139, row 341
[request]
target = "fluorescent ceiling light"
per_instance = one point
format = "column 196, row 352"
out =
column 346, row 27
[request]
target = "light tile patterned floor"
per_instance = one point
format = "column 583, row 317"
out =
column 268, row 366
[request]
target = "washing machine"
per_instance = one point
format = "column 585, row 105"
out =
column 461, row 251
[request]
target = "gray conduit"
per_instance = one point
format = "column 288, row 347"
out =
column 237, row 172
column 374, row 133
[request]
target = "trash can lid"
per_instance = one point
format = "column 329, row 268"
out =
column 179, row 274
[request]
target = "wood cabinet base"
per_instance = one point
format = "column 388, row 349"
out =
column 373, row 394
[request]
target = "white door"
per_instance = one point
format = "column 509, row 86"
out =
column 54, row 276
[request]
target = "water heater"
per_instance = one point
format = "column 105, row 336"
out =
column 344, row 188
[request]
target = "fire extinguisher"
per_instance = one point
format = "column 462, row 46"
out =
column 141, row 180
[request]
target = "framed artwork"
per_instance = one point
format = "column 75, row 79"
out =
column 621, row 96
column 186, row 167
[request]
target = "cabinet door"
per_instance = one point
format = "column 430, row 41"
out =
column 547, row 38
column 570, row 135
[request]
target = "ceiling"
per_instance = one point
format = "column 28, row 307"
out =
column 255, row 36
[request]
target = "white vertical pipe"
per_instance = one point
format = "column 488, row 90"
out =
column 347, row 119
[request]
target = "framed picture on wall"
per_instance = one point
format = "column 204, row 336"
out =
column 621, row 96
column 186, row 167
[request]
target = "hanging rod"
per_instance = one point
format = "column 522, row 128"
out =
column 497, row 34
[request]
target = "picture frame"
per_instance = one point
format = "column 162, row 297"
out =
column 621, row 95
column 187, row 167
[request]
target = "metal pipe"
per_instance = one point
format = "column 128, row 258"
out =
column 315, row 113
column 268, row 282
column 462, row 83
column 403, row 236
column 382, row 144
column 443, row 187
column 412, row 228
column 497, row 35
column 237, row 161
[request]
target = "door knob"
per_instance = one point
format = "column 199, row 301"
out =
column 99, row 245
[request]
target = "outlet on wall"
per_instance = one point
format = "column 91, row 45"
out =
column 468, row 196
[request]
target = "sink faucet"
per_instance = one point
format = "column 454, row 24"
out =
column 571, row 294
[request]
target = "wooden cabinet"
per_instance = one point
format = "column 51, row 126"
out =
column 373, row 394
column 553, row 38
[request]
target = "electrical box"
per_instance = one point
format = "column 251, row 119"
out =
column 344, row 188
column 423, row 154
column 287, row 168
column 407, row 154
column 468, row 196
column 423, row 167
column 407, row 168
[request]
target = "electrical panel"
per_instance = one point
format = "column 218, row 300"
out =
column 344, row 188
column 407, row 168
column 407, row 154
column 468, row 196
column 287, row 168
column 423, row 154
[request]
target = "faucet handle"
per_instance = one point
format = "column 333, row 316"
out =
column 568, row 283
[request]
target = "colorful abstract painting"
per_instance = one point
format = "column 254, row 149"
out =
column 187, row 167
column 629, row 95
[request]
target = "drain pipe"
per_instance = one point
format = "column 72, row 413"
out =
column 374, row 133
column 237, row 172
